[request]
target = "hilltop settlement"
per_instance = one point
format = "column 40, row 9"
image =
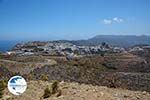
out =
column 58, row 48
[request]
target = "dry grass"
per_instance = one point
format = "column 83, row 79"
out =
column 75, row 91
column 3, row 84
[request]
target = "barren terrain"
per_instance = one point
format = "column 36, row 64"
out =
column 76, row 91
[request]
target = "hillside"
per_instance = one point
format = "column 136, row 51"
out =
column 116, row 40
column 114, row 70
column 76, row 91
column 125, row 76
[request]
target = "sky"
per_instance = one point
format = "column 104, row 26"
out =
column 72, row 19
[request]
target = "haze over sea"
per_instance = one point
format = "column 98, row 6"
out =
column 6, row 45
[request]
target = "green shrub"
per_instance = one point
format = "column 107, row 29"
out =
column 44, row 77
column 1, row 56
column 54, row 87
column 47, row 93
column 52, row 90
column 3, row 85
column 1, row 94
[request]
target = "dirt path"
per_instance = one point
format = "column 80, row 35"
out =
column 25, row 67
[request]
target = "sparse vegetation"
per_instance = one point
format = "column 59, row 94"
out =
column 53, row 89
column 1, row 55
column 87, row 69
column 44, row 77
column 2, row 87
column 47, row 93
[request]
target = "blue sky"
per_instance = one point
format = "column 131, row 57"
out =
column 72, row 19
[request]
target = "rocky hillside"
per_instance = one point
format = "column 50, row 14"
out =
column 116, row 70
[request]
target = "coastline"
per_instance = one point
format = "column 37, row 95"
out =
column 6, row 45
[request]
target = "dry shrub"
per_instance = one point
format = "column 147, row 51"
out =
column 3, row 85
column 44, row 77
column 53, row 90
column 47, row 93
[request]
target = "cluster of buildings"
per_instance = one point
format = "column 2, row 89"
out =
column 61, row 49
column 139, row 48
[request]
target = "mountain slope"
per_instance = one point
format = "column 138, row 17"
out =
column 116, row 40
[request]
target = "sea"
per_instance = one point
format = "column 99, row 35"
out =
column 7, row 45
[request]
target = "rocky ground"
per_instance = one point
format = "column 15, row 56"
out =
column 76, row 91
column 127, row 75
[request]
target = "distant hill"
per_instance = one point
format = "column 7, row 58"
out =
column 116, row 40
